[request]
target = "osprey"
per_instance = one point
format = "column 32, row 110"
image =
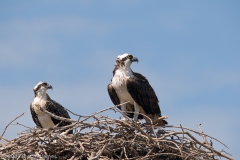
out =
column 42, row 119
column 127, row 85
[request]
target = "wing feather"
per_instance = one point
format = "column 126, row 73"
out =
column 113, row 95
column 143, row 94
column 34, row 116
column 57, row 109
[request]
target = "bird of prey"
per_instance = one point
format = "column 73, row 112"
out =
column 42, row 119
column 127, row 85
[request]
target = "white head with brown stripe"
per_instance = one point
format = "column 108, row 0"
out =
column 41, row 88
column 125, row 60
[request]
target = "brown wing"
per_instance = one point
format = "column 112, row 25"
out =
column 143, row 94
column 57, row 109
column 34, row 116
column 113, row 95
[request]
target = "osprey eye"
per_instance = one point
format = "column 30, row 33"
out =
column 130, row 56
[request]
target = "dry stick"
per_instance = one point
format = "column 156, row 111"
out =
column 2, row 138
column 74, row 113
column 175, row 145
column 124, row 148
column 23, row 125
column 148, row 153
column 104, row 110
column 11, row 122
column 151, row 122
column 70, row 120
column 225, row 152
column 138, row 128
column 156, row 155
column 121, row 113
column 174, row 133
column 57, row 117
column 99, row 153
column 182, row 138
column 102, row 134
column 203, row 136
column 81, row 145
column 199, row 134
column 219, row 153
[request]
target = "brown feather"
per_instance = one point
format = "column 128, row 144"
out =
column 143, row 94
column 34, row 116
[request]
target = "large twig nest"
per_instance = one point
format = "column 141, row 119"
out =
column 107, row 138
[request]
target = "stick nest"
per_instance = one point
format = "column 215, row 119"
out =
column 101, row 137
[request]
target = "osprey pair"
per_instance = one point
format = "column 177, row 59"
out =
column 125, row 86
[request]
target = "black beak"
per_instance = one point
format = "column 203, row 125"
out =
column 134, row 59
column 49, row 87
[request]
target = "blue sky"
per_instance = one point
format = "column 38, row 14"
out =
column 188, row 50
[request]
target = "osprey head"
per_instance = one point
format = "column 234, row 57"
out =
column 41, row 88
column 125, row 60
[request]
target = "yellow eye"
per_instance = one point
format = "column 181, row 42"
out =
column 130, row 56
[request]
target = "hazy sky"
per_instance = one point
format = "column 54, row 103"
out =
column 188, row 50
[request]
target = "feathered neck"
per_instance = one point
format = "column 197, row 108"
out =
column 123, row 72
column 42, row 95
column 121, row 67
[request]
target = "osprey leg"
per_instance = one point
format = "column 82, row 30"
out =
column 136, row 111
column 123, row 108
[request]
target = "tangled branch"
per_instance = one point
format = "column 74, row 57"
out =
column 101, row 137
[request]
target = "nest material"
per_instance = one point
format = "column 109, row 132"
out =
column 103, row 137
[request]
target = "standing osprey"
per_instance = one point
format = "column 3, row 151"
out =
column 42, row 119
column 130, row 86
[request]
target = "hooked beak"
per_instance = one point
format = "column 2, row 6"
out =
column 134, row 59
column 49, row 87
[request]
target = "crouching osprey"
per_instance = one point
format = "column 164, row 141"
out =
column 42, row 119
column 129, row 86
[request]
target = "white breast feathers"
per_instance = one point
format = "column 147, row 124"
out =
column 44, row 119
column 119, row 84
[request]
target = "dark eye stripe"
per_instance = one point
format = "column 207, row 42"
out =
column 38, row 87
column 127, row 57
column 44, row 84
column 130, row 56
column 124, row 58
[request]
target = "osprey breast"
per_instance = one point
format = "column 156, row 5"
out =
column 36, row 105
column 119, row 84
column 44, row 119
column 119, row 79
